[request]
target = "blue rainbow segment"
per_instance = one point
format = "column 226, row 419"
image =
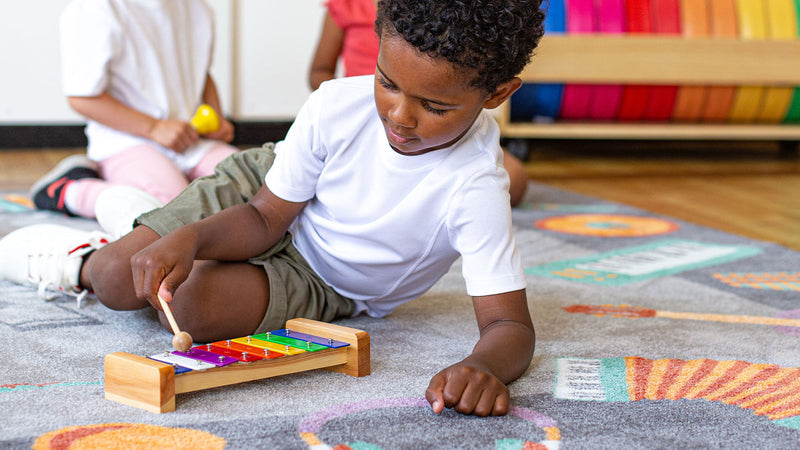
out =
column 541, row 102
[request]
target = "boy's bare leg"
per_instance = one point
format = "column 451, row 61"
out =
column 219, row 300
column 107, row 271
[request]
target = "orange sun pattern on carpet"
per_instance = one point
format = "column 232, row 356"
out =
column 767, row 390
column 111, row 436
column 607, row 225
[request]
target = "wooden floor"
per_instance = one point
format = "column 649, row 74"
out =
column 749, row 189
column 743, row 188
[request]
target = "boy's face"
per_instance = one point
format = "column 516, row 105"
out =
column 423, row 103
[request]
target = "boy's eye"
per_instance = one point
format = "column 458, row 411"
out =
column 430, row 108
column 384, row 84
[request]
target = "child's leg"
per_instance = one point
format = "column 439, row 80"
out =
column 146, row 168
column 212, row 157
column 219, row 300
column 142, row 167
column 82, row 194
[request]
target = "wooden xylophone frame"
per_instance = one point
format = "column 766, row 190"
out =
column 152, row 385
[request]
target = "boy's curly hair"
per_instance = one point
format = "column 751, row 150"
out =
column 493, row 38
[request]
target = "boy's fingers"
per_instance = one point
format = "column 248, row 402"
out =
column 502, row 404
column 491, row 403
column 165, row 293
column 466, row 398
column 435, row 392
column 169, row 284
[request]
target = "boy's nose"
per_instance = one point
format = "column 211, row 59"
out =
column 401, row 115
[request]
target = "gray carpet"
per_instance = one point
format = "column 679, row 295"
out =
column 696, row 359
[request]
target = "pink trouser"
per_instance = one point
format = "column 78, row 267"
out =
column 142, row 167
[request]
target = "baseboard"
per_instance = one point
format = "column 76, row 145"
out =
column 32, row 136
column 68, row 136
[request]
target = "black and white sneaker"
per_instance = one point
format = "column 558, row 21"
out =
column 48, row 192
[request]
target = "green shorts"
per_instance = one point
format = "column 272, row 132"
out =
column 295, row 290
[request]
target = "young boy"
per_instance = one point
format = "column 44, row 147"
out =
column 380, row 185
column 348, row 34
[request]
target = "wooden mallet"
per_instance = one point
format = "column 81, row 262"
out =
column 182, row 341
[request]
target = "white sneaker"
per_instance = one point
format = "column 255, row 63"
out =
column 118, row 206
column 48, row 257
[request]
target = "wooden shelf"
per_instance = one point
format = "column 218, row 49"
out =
column 598, row 59
column 643, row 130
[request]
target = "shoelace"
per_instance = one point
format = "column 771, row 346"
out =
column 50, row 273
column 48, row 292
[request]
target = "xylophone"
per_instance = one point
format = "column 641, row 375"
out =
column 151, row 383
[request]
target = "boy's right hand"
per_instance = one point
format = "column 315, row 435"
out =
column 174, row 134
column 164, row 265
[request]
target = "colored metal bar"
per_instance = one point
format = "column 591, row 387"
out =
column 285, row 349
column 291, row 342
column 321, row 340
column 206, row 356
column 245, row 357
column 249, row 349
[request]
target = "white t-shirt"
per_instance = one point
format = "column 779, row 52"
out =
column 381, row 227
column 151, row 55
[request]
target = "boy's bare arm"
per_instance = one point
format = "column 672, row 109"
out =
column 234, row 234
column 477, row 385
column 107, row 110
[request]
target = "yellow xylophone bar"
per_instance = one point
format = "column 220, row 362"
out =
column 152, row 385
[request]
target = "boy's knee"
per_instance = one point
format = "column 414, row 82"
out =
column 108, row 270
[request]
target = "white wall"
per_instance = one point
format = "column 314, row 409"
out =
column 263, row 50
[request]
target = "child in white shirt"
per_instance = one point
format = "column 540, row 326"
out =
column 137, row 70
column 381, row 184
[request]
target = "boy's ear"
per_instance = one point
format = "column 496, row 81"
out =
column 502, row 93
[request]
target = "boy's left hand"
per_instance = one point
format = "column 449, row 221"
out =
column 469, row 390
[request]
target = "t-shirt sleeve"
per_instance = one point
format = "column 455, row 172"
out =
column 340, row 12
column 481, row 231
column 300, row 157
column 87, row 47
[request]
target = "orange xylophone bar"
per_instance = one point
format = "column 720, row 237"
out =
column 152, row 385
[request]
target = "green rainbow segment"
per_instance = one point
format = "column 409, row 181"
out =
column 793, row 114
